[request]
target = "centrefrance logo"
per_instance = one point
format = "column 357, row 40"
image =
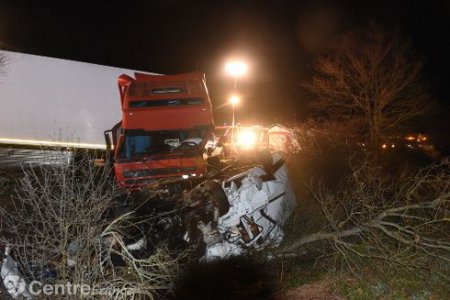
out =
column 37, row 288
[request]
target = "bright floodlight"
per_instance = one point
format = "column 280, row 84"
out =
column 234, row 100
column 236, row 68
column 247, row 139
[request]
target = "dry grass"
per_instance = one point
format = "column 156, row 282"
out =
column 389, row 219
column 60, row 228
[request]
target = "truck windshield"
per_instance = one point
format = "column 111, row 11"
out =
column 165, row 102
column 145, row 143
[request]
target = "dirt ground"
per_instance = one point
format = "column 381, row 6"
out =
column 320, row 290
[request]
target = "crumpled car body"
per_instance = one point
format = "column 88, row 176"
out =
column 260, row 201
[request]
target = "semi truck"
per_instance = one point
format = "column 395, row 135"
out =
column 165, row 121
column 166, row 124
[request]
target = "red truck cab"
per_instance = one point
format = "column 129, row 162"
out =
column 166, row 123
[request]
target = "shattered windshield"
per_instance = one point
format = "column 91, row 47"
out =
column 143, row 143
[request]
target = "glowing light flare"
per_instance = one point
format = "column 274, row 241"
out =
column 421, row 138
column 234, row 100
column 236, row 68
column 247, row 139
column 417, row 138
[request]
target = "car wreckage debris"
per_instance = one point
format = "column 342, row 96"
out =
column 250, row 210
column 218, row 219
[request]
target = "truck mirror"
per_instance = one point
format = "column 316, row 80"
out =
column 108, row 141
column 108, row 154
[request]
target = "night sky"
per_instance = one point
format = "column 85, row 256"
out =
column 277, row 38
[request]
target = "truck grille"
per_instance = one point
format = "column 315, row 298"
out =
column 158, row 172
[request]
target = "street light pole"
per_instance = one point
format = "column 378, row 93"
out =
column 233, row 121
column 234, row 100
column 233, row 124
column 236, row 69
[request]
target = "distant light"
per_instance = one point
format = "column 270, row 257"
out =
column 247, row 139
column 234, row 100
column 384, row 146
column 185, row 176
column 236, row 68
column 393, row 146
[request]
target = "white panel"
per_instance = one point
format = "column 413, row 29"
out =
column 57, row 100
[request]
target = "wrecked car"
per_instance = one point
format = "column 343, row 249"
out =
column 250, row 210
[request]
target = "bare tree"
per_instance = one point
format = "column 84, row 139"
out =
column 378, row 221
column 60, row 230
column 371, row 80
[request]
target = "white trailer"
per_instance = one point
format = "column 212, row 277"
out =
column 56, row 102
